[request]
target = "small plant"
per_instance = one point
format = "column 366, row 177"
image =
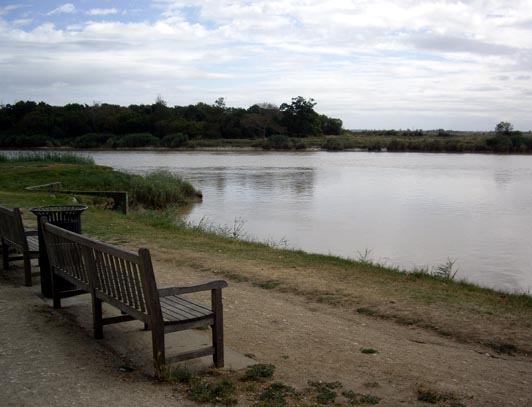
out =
column 360, row 398
column 366, row 311
column 179, row 374
column 222, row 392
column 268, row 284
column 324, row 391
column 446, row 270
column 369, row 351
column 260, row 371
column 274, row 395
column 431, row 396
column 365, row 257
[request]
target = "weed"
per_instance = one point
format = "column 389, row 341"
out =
column 324, row 391
column 268, row 284
column 432, row 396
column 369, row 351
column 260, row 371
column 366, row 311
column 360, row 398
column 504, row 347
column 275, row 395
column 420, row 271
column 365, row 258
column 178, row 374
column 222, row 392
column 446, row 270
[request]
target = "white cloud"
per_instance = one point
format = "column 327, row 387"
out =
column 398, row 62
column 67, row 8
column 102, row 11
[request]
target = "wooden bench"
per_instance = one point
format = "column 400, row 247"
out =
column 126, row 281
column 24, row 243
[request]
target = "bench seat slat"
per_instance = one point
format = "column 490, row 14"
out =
column 181, row 306
column 33, row 243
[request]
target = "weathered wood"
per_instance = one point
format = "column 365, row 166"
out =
column 14, row 236
column 126, row 281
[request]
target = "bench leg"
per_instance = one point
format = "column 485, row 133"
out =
column 97, row 317
column 218, row 329
column 5, row 256
column 157, row 337
column 56, row 294
column 27, row 269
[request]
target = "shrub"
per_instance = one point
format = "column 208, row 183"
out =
column 136, row 140
column 90, row 140
column 175, row 140
column 160, row 189
column 259, row 372
column 278, row 142
column 333, row 144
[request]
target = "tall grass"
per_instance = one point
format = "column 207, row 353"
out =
column 49, row 157
column 159, row 189
column 155, row 190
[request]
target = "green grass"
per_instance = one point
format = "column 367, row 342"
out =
column 156, row 190
column 48, row 157
column 259, row 372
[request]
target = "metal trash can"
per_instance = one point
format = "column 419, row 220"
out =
column 67, row 217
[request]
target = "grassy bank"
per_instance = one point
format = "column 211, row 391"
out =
column 156, row 190
column 454, row 309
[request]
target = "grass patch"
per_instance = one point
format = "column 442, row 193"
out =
column 268, row 284
column 367, row 311
column 275, row 395
column 369, row 351
column 260, row 371
column 324, row 391
column 220, row 392
column 355, row 398
column 47, row 157
column 429, row 395
column 155, row 190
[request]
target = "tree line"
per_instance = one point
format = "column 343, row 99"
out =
column 32, row 124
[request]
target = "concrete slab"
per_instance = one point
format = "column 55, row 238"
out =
column 130, row 341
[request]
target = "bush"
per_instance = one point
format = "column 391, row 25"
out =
column 160, row 189
column 333, row 144
column 23, row 141
column 278, row 142
column 175, row 140
column 90, row 140
column 136, row 140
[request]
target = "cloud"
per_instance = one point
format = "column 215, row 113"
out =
column 102, row 11
column 67, row 8
column 398, row 62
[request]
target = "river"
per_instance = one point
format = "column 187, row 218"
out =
column 401, row 209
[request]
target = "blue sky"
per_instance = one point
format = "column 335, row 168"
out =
column 375, row 64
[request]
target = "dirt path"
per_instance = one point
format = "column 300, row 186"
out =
column 46, row 361
column 313, row 341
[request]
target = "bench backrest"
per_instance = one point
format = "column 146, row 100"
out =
column 65, row 254
column 12, row 228
column 122, row 278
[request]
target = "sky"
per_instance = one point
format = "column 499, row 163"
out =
column 375, row 64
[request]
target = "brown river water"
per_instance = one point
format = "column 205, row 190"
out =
column 401, row 209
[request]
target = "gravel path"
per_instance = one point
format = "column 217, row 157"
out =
column 46, row 361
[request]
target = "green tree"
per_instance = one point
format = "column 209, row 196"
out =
column 299, row 117
column 504, row 128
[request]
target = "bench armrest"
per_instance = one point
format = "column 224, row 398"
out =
column 211, row 285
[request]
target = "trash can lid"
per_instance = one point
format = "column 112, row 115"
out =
column 44, row 210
